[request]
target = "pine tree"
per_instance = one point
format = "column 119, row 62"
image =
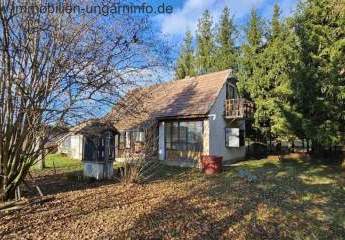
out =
column 205, row 44
column 268, row 72
column 255, row 29
column 275, row 75
column 320, row 25
column 249, row 54
column 225, row 52
column 275, row 23
column 185, row 62
column 248, row 60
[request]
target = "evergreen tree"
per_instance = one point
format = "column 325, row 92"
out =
column 267, row 75
column 249, row 54
column 225, row 53
column 248, row 60
column 320, row 25
column 185, row 62
column 273, row 95
column 275, row 23
column 205, row 44
column 255, row 30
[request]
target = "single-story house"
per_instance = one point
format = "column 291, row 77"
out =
column 179, row 121
column 187, row 118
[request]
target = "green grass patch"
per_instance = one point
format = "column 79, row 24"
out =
column 61, row 162
column 307, row 196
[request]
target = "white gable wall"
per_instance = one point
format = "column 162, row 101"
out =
column 72, row 145
column 217, row 125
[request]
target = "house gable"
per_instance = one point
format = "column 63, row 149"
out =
column 186, row 98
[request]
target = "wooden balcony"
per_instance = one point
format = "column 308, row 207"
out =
column 238, row 108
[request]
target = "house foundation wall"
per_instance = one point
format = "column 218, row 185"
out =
column 98, row 171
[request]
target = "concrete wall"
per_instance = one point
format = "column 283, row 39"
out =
column 217, row 125
column 98, row 171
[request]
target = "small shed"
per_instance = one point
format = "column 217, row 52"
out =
column 98, row 155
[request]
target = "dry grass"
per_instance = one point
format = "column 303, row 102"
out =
column 287, row 199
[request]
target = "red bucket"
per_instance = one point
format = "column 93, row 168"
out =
column 211, row 164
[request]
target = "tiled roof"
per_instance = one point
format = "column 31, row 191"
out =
column 189, row 97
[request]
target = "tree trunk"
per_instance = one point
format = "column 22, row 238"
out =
column 293, row 146
column 303, row 145
column 308, row 147
column 41, row 161
column 9, row 194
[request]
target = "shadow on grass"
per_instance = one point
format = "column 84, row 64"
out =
column 164, row 172
column 51, row 182
column 54, row 181
column 290, row 199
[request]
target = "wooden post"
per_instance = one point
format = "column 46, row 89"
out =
column 41, row 160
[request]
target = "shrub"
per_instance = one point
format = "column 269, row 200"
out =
column 137, row 169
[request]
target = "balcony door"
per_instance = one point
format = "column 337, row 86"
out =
column 231, row 91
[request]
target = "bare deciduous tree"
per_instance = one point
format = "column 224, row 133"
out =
column 57, row 68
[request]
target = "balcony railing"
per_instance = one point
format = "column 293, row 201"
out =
column 238, row 108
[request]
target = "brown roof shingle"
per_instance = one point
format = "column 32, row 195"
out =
column 190, row 97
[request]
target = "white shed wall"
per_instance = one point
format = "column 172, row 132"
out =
column 72, row 145
column 77, row 147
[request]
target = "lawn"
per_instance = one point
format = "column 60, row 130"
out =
column 61, row 162
column 262, row 199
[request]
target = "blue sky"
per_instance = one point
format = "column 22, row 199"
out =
column 186, row 12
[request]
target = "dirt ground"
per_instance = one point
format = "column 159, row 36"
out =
column 262, row 199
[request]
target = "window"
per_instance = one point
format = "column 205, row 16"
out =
column 128, row 139
column 110, row 142
column 122, row 140
column 168, row 135
column 183, row 130
column 234, row 137
column 184, row 135
column 230, row 91
column 138, row 136
column 116, row 141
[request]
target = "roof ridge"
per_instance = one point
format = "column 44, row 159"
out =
column 191, row 78
column 184, row 97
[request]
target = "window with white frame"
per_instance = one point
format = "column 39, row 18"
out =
column 184, row 135
column 234, row 137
